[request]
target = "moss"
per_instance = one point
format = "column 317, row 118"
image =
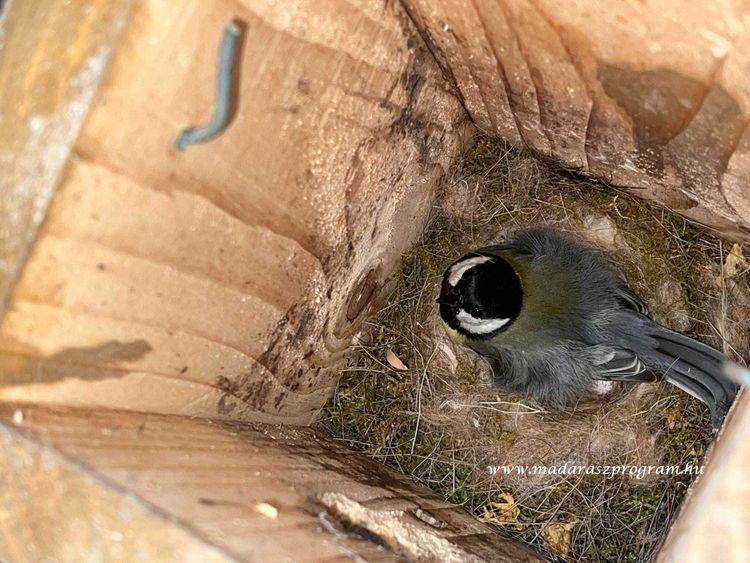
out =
column 439, row 422
column 468, row 371
column 506, row 438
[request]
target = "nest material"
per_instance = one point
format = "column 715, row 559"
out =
column 433, row 414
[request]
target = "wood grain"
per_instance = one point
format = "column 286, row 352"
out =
column 54, row 509
column 229, row 279
column 653, row 98
column 714, row 518
column 52, row 56
column 254, row 492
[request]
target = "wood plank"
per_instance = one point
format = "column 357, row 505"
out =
column 255, row 492
column 220, row 281
column 53, row 509
column 714, row 519
column 654, row 97
column 52, row 57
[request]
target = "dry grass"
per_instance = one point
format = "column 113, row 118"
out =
column 442, row 423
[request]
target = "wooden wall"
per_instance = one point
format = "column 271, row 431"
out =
column 652, row 95
column 115, row 486
column 227, row 280
column 52, row 57
column 714, row 519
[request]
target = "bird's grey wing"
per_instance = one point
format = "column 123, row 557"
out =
column 693, row 366
column 631, row 300
column 504, row 247
column 627, row 296
column 618, row 364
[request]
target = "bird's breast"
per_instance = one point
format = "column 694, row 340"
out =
column 454, row 335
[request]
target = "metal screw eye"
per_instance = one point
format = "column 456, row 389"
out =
column 223, row 105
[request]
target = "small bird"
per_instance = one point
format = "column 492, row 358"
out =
column 553, row 317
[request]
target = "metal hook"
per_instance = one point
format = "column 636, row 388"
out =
column 223, row 106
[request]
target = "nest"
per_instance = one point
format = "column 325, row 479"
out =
column 414, row 401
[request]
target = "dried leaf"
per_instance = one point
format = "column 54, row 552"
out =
column 673, row 418
column 394, row 361
column 559, row 537
column 504, row 512
column 452, row 360
column 735, row 262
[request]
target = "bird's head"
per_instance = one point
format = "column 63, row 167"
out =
column 481, row 296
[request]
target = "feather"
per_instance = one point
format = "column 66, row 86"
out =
column 618, row 364
column 573, row 319
column 693, row 366
column 632, row 301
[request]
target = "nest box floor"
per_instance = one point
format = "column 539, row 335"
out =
column 413, row 400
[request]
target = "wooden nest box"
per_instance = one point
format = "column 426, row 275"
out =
column 172, row 321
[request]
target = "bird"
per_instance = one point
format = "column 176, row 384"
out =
column 555, row 318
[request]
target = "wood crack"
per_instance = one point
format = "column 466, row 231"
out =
column 435, row 52
column 578, row 70
column 543, row 124
column 502, row 75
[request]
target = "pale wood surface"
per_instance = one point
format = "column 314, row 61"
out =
column 714, row 521
column 52, row 56
column 651, row 95
column 54, row 509
column 254, row 492
column 228, row 280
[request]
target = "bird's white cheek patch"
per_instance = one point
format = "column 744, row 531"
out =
column 458, row 270
column 479, row 326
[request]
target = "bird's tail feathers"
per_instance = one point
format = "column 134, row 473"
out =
column 696, row 368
